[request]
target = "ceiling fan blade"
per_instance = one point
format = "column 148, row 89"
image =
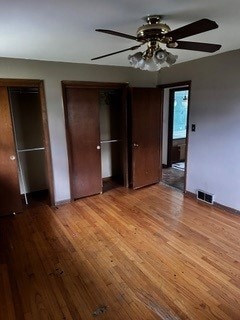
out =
column 118, row 34
column 196, row 46
column 191, row 29
column 116, row 52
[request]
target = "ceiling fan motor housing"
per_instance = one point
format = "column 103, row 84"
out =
column 155, row 32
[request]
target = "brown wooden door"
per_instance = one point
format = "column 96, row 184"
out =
column 146, row 142
column 10, row 198
column 82, row 112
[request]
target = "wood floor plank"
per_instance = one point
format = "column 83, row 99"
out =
column 145, row 254
column 7, row 311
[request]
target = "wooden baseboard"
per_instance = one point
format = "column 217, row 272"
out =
column 215, row 204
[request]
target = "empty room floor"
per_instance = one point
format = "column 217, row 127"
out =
column 145, row 254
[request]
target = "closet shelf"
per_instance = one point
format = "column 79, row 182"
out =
column 110, row 141
column 32, row 149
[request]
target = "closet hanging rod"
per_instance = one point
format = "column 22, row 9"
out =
column 109, row 141
column 32, row 149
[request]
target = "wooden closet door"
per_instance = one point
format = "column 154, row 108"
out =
column 10, row 198
column 82, row 111
column 146, row 142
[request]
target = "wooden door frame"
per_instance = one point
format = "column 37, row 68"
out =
column 97, row 85
column 25, row 83
column 175, row 85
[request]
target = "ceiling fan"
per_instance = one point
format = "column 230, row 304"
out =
column 155, row 33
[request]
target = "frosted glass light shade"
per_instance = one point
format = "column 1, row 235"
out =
column 140, row 60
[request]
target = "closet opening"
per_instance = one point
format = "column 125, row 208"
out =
column 28, row 129
column 111, row 138
column 96, row 127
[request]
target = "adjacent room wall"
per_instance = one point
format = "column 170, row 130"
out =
column 53, row 73
column 213, row 151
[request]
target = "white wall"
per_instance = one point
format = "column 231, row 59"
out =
column 214, row 151
column 53, row 73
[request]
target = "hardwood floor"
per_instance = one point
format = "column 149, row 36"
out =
column 145, row 254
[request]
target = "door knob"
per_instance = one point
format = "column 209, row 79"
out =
column 135, row 145
column 12, row 158
column 98, row 147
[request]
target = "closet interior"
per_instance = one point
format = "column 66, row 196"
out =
column 111, row 137
column 27, row 123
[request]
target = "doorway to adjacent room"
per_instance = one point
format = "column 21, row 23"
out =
column 175, row 135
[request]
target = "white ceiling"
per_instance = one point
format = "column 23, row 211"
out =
column 63, row 30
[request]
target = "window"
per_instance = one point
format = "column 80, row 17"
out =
column 180, row 111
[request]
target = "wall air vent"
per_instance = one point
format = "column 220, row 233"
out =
column 204, row 196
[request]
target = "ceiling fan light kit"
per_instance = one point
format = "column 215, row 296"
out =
column 154, row 34
column 154, row 63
